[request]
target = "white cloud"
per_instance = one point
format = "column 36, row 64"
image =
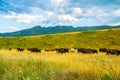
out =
column 96, row 12
column 59, row 6
column 9, row 29
column 25, row 18
column 114, row 24
column 67, row 19
column 77, row 11
column 13, row 28
column 116, row 12
column 59, row 3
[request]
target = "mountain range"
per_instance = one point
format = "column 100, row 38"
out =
column 38, row 30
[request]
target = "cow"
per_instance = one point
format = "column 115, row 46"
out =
column 118, row 52
column 94, row 51
column 102, row 49
column 113, row 52
column 73, row 50
column 20, row 49
column 80, row 50
column 34, row 50
column 10, row 49
column 48, row 49
column 86, row 50
column 62, row 50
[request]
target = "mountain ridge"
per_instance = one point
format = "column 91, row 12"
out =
column 38, row 30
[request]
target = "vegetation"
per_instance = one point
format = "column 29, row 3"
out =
column 52, row 66
column 26, row 65
column 89, row 39
column 38, row 30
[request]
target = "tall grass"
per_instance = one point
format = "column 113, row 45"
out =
column 52, row 66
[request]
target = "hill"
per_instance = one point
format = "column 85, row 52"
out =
column 91, row 39
column 38, row 30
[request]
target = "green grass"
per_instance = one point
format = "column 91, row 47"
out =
column 90, row 39
column 51, row 66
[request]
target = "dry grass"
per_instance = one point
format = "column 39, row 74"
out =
column 79, row 66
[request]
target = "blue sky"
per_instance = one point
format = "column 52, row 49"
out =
column 21, row 14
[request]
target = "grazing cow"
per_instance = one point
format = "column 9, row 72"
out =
column 62, row 50
column 48, row 49
column 10, row 49
column 118, row 52
column 94, row 51
column 86, row 50
column 34, row 50
column 20, row 49
column 80, row 50
column 73, row 50
column 113, row 52
column 102, row 49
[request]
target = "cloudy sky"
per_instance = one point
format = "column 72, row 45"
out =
column 22, row 14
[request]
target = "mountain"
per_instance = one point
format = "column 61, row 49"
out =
column 38, row 30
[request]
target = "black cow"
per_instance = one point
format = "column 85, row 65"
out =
column 20, row 49
column 62, row 50
column 113, row 52
column 87, row 50
column 80, row 50
column 118, row 52
column 10, row 49
column 94, row 51
column 34, row 49
column 102, row 49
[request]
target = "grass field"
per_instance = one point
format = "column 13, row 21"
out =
column 53, row 66
column 88, row 39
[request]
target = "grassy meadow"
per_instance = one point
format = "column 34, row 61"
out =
column 26, row 65
column 89, row 39
column 53, row 66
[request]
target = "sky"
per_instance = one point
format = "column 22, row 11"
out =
column 22, row 14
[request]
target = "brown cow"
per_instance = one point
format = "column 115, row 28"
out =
column 48, row 49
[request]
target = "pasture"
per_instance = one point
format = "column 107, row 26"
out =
column 26, row 65
column 88, row 39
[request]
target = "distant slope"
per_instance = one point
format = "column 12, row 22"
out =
column 91, row 39
column 38, row 30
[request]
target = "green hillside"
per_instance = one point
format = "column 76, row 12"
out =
column 90, row 39
column 38, row 30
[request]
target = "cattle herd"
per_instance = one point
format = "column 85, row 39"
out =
column 73, row 50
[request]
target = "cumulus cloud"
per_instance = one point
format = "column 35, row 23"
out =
column 71, row 16
column 59, row 6
column 96, row 12
column 55, row 12
column 116, row 12
column 76, row 11
column 59, row 3
column 25, row 18
column 67, row 19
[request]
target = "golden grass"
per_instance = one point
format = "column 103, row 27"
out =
column 75, row 61
column 98, row 64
